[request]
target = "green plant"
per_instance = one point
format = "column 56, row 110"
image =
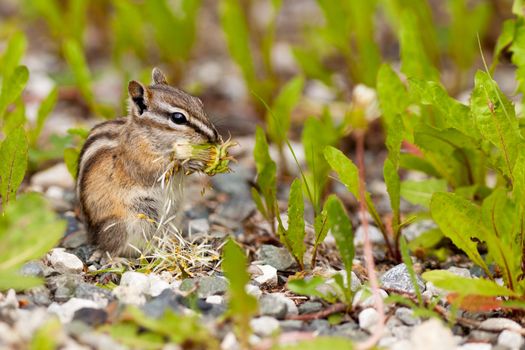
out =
column 242, row 306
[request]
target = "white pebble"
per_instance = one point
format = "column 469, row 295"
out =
column 510, row 339
column 368, row 319
column 65, row 262
column 66, row 311
column 264, row 326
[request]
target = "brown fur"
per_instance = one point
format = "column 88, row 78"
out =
column 122, row 160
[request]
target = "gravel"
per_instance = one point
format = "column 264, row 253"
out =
column 398, row 278
column 206, row 286
column 276, row 257
column 64, row 262
column 510, row 339
column 265, row 326
column 368, row 319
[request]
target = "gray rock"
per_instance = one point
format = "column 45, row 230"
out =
column 91, row 292
column 75, row 239
column 475, row 346
column 272, row 305
column 137, row 281
column 368, row 319
column 265, row 326
column 322, row 327
column 235, row 183
column 510, row 339
column 374, row 234
column 291, row 325
column 401, row 332
column 210, row 285
column 483, row 336
column 398, row 278
column 168, row 299
column 40, row 295
column 199, row 226
column 66, row 311
column 406, row 316
column 65, row 262
column 310, row 307
column 276, row 257
column 33, row 268
column 417, row 228
column 265, row 275
column 460, row 271
column 500, row 324
column 91, row 316
column 236, row 209
column 63, row 286
column 254, row 290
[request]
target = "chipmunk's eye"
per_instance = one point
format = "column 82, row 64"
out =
column 178, row 118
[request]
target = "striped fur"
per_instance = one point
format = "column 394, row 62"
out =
column 121, row 199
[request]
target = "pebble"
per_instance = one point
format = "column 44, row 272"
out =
column 198, row 226
column 215, row 299
column 40, row 295
column 459, row 271
column 399, row 278
column 91, row 316
column 209, row 285
column 417, row 228
column 64, row 286
column 406, row 316
column 75, row 239
column 374, row 234
column 432, row 335
column 276, row 257
column 272, row 305
column 267, row 276
column 57, row 175
column 65, row 262
column 91, row 292
column 253, row 290
column 499, row 324
column 66, row 311
column 33, row 268
column 264, row 326
column 156, row 307
column 368, row 319
column 291, row 325
column 229, row 342
column 510, row 339
column 364, row 298
column 156, row 285
column 310, row 307
column 137, row 281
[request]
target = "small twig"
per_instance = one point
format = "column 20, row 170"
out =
column 332, row 309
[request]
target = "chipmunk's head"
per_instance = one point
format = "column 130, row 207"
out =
column 169, row 116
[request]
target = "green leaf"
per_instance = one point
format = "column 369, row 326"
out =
column 496, row 120
column 15, row 119
column 44, row 110
column 13, row 280
column 279, row 118
column 261, row 152
column 341, row 229
column 13, row 164
column 518, row 50
column 12, row 87
column 71, row 156
column 242, row 305
column 233, row 22
column 16, row 47
column 414, row 60
column 460, row 221
column 403, row 247
column 310, row 287
column 349, row 176
column 77, row 62
column 295, row 233
column 311, row 64
column 45, row 338
column 465, row 286
column 420, row 192
column 21, row 237
column 504, row 40
column 323, row 342
column 393, row 187
column 392, row 94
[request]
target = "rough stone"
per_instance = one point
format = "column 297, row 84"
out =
column 209, row 285
column 310, row 307
column 432, row 335
column 373, row 233
column 63, row 286
column 156, row 285
column 406, row 316
column 398, row 278
column 33, row 268
column 91, row 316
column 291, row 325
column 277, row 257
column 368, row 319
column 254, row 290
column 417, row 228
column 40, row 295
column 65, row 262
column 500, row 324
column 91, row 292
column 459, row 271
column 75, row 239
column 272, row 305
column 475, row 346
column 66, row 311
column 267, row 276
column 166, row 300
column 137, row 281
column 199, row 226
column 364, row 298
column 264, row 326
column 510, row 339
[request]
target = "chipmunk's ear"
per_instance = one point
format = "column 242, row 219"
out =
column 158, row 77
column 137, row 92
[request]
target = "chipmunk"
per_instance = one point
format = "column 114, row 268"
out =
column 124, row 164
